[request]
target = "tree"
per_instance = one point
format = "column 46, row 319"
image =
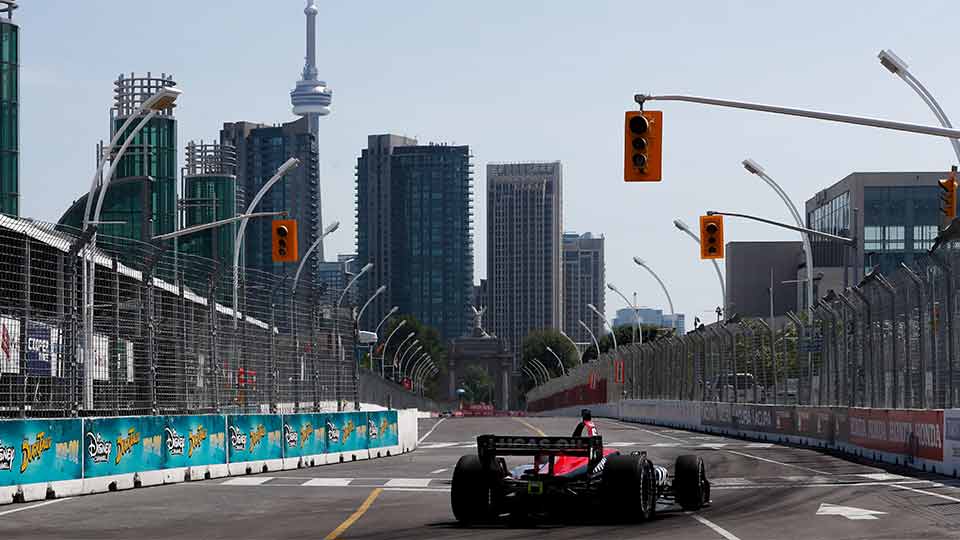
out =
column 477, row 385
column 625, row 335
column 535, row 346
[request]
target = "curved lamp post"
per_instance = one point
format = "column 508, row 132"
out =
column 411, row 353
column 303, row 260
column 636, row 310
column 375, row 294
column 603, row 319
column 640, row 262
column 393, row 361
column 592, row 336
column 356, row 368
column 574, row 343
column 539, row 365
column 752, row 167
column 383, row 355
column 723, row 287
column 899, row 68
column 563, row 370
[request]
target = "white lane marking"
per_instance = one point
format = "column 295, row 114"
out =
column 626, row 425
column 882, row 476
column 433, row 445
column 932, row 494
column 730, row 482
column 716, row 528
column 408, row 482
column 328, row 482
column 418, row 490
column 435, row 426
column 760, row 445
column 711, row 445
column 849, row 512
column 751, row 456
column 621, row 444
column 32, row 506
column 438, row 471
column 247, row 481
column 665, row 445
column 824, row 485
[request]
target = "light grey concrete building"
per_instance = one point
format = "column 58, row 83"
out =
column 583, row 283
column 524, row 239
column 751, row 267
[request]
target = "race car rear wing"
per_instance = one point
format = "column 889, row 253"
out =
column 490, row 446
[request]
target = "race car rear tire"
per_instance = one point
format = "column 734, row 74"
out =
column 690, row 485
column 470, row 493
column 630, row 488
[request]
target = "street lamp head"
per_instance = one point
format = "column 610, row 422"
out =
column 163, row 99
column 411, row 334
column 753, row 167
column 592, row 308
column 332, row 227
column 892, row 62
column 365, row 269
column 639, row 261
column 380, row 290
column 612, row 287
column 287, row 165
column 394, row 310
column 681, row 225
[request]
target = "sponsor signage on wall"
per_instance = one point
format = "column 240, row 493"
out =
column 34, row 451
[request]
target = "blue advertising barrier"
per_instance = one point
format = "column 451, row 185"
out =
column 191, row 441
column 346, row 431
column 303, row 435
column 254, row 437
column 34, row 451
column 125, row 444
column 382, row 429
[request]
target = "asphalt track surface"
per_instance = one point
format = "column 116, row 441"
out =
column 760, row 491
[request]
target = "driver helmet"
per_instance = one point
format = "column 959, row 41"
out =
column 585, row 414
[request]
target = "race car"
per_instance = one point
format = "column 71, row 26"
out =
column 568, row 476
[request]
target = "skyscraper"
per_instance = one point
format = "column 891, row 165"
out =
column 524, row 270
column 261, row 149
column 583, row 283
column 9, row 113
column 141, row 200
column 210, row 194
column 311, row 97
column 414, row 222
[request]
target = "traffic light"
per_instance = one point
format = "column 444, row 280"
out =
column 642, row 146
column 949, row 196
column 711, row 237
column 284, row 240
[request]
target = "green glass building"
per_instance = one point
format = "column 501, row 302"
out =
column 210, row 194
column 142, row 196
column 9, row 113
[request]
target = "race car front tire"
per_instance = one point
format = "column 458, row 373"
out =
column 629, row 487
column 470, row 494
column 690, row 485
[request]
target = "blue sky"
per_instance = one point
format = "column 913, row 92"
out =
column 515, row 80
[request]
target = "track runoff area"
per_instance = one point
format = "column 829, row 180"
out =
column 759, row 491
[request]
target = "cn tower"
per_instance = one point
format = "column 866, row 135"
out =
column 311, row 97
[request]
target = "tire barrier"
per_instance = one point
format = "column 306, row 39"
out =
column 42, row 459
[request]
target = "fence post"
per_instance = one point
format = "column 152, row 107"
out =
column 921, row 309
column 25, row 325
column 72, row 345
column 214, row 361
column 945, row 266
column 314, row 355
column 115, row 376
column 868, row 339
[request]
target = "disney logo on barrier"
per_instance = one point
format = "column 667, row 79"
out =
column 305, row 433
column 33, row 451
column 175, row 442
column 238, row 439
column 97, row 448
column 7, row 455
column 372, row 429
column 291, row 436
column 125, row 444
column 333, row 433
column 196, row 439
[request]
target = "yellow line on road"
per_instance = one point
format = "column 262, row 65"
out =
column 535, row 429
column 355, row 516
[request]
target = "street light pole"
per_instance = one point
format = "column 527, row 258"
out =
column 393, row 360
column 754, row 168
column 592, row 336
column 563, row 370
column 303, row 260
column 410, row 353
column 640, row 262
column 383, row 355
column 603, row 319
column 356, row 373
column 899, row 68
column 636, row 310
column 579, row 354
column 723, row 287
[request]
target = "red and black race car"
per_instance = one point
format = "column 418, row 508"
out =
column 569, row 475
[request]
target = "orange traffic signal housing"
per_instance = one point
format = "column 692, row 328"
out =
column 949, row 196
column 711, row 237
column 284, row 245
column 642, row 146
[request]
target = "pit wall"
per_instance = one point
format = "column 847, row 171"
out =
column 52, row 458
column 928, row 440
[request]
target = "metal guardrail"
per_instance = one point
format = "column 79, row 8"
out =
column 164, row 337
column 890, row 342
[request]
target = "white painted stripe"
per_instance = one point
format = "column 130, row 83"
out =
column 665, row 445
column 711, row 445
column 932, row 494
column 430, row 446
column 630, row 426
column 32, row 506
column 824, row 485
column 759, row 445
column 247, row 481
column 716, row 528
column 408, row 482
column 435, row 426
column 751, row 456
column 419, row 490
column 882, row 476
column 621, row 444
column 438, row 471
column 730, row 482
column 327, row 482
